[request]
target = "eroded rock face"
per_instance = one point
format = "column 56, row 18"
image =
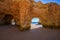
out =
column 49, row 14
column 24, row 10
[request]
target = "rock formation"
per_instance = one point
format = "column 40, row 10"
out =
column 22, row 11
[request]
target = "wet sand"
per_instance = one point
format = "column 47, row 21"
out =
column 9, row 32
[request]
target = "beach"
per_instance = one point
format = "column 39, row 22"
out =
column 9, row 32
column 33, row 26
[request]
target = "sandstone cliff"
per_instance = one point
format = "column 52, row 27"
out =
column 48, row 13
column 22, row 11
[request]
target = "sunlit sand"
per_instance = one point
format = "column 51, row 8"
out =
column 33, row 26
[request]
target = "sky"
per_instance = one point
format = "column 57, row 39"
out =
column 47, row 1
column 35, row 20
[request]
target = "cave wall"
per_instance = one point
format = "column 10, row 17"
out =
column 48, row 13
column 24, row 10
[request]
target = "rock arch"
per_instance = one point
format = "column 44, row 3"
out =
column 24, row 10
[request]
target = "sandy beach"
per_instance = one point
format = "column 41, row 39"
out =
column 9, row 32
column 34, row 26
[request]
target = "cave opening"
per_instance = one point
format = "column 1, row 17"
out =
column 36, row 23
column 6, row 20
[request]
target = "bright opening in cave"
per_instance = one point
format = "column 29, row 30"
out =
column 35, row 23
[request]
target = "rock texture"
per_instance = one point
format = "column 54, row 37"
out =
column 22, row 11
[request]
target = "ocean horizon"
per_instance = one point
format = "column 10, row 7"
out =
column 34, row 23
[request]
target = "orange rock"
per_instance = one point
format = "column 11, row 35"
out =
column 23, row 11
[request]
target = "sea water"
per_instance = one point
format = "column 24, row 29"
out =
column 34, row 23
